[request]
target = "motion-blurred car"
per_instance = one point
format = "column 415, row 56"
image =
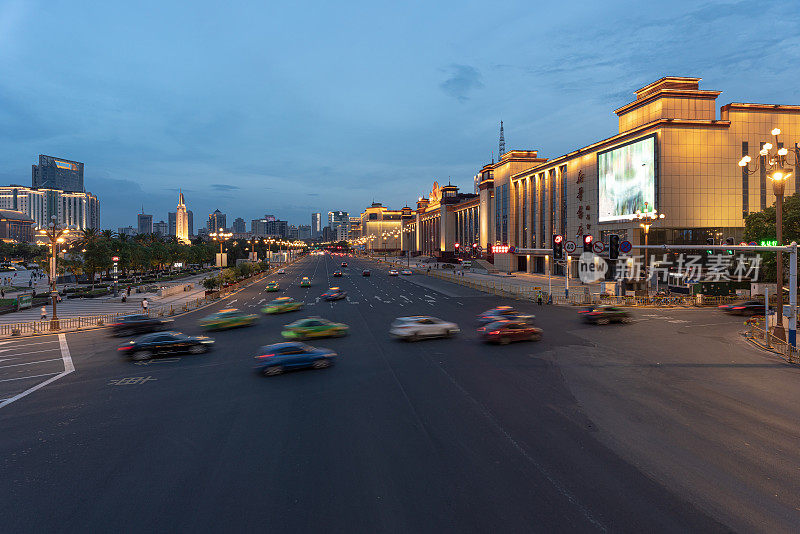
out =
column 281, row 271
column 344, row 264
column 406, row 272
column 505, row 332
column 365, row 272
column 274, row 359
column 503, row 313
column 393, row 272
column 138, row 324
column 605, row 314
column 273, row 286
column 422, row 326
column 748, row 307
column 314, row 327
column 281, row 305
column 337, row 274
column 334, row 293
column 230, row 318
column 165, row 343
column 305, row 282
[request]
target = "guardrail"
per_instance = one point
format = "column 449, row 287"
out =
column 757, row 334
column 72, row 324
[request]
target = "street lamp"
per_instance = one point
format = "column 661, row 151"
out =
column 55, row 234
column 220, row 235
column 775, row 164
column 648, row 217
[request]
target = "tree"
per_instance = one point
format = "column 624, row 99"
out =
column 761, row 226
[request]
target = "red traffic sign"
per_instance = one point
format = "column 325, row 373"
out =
column 115, row 258
column 558, row 238
column 598, row 247
column 569, row 246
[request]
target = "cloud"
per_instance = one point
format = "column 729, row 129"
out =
column 224, row 187
column 461, row 81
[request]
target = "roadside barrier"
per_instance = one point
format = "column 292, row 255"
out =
column 756, row 333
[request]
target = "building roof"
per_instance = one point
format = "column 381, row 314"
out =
column 14, row 216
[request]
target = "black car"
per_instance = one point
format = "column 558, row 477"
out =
column 334, row 293
column 337, row 274
column 165, row 344
column 365, row 272
column 138, row 324
column 749, row 307
column 605, row 314
column 344, row 264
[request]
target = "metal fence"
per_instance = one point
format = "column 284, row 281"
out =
column 757, row 333
column 72, row 324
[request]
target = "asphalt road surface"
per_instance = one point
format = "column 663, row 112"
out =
column 669, row 424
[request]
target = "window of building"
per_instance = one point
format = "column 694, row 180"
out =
column 745, row 184
column 763, row 178
column 563, row 188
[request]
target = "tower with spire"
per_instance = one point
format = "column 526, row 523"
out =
column 181, row 220
column 502, row 143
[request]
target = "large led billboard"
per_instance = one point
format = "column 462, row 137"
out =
column 627, row 179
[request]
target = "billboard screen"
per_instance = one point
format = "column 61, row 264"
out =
column 627, row 179
column 66, row 165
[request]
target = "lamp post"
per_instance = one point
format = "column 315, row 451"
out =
column 647, row 217
column 775, row 163
column 221, row 235
column 55, row 234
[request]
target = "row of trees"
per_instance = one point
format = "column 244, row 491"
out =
column 761, row 226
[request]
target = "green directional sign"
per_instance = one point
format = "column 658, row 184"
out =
column 769, row 243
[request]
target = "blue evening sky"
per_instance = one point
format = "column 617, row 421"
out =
column 293, row 107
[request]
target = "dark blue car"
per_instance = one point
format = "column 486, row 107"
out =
column 274, row 359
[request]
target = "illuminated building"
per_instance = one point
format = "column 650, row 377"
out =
column 216, row 221
column 182, row 220
column 77, row 209
column 57, row 173
column 15, row 227
column 380, row 228
column 671, row 152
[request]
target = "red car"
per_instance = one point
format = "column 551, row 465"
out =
column 505, row 332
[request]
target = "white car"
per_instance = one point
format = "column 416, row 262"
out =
column 281, row 271
column 393, row 272
column 422, row 326
column 406, row 272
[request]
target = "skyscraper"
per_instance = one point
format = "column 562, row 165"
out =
column 191, row 221
column 171, row 216
column 181, row 220
column 216, row 221
column 316, row 224
column 144, row 223
column 56, row 173
column 239, row 226
column 161, row 228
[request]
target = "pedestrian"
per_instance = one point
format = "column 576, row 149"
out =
column 44, row 313
column 2, row 292
column 128, row 291
column 539, row 299
column 144, row 305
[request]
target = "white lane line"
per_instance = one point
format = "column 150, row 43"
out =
column 232, row 301
column 405, row 297
column 262, row 300
column 30, row 344
column 31, row 352
column 24, row 377
column 68, row 368
column 29, row 363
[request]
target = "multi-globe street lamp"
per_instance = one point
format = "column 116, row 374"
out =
column 220, row 235
column 776, row 165
column 56, row 235
column 648, row 217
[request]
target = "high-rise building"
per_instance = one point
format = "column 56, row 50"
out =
column 190, row 218
column 161, row 228
column 216, row 221
column 81, row 210
column 316, row 224
column 292, row 232
column 181, row 220
column 258, row 227
column 278, row 228
column 270, row 218
column 171, row 216
column 129, row 231
column 339, row 223
column 144, row 223
column 239, row 226
column 57, row 173
column 304, row 231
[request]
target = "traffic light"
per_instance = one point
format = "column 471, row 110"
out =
column 729, row 242
column 558, row 247
column 613, row 246
column 587, row 243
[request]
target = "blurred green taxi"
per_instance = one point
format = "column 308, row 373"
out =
column 305, row 282
column 282, row 305
column 273, row 286
column 314, row 327
column 230, row 318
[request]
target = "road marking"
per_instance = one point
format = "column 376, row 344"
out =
column 24, row 377
column 31, row 352
column 678, row 321
column 232, row 301
column 68, row 368
column 262, row 300
column 131, row 381
column 405, row 297
column 28, row 363
column 159, row 360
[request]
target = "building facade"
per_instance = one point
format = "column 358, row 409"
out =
column 316, row 224
column 671, row 153
column 239, row 226
column 380, row 228
column 16, row 227
column 128, row 231
column 57, row 173
column 181, row 230
column 144, row 223
column 217, row 221
column 79, row 210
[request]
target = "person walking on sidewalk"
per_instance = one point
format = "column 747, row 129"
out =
column 44, row 313
column 144, row 306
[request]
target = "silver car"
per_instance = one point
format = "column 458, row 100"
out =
column 422, row 326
